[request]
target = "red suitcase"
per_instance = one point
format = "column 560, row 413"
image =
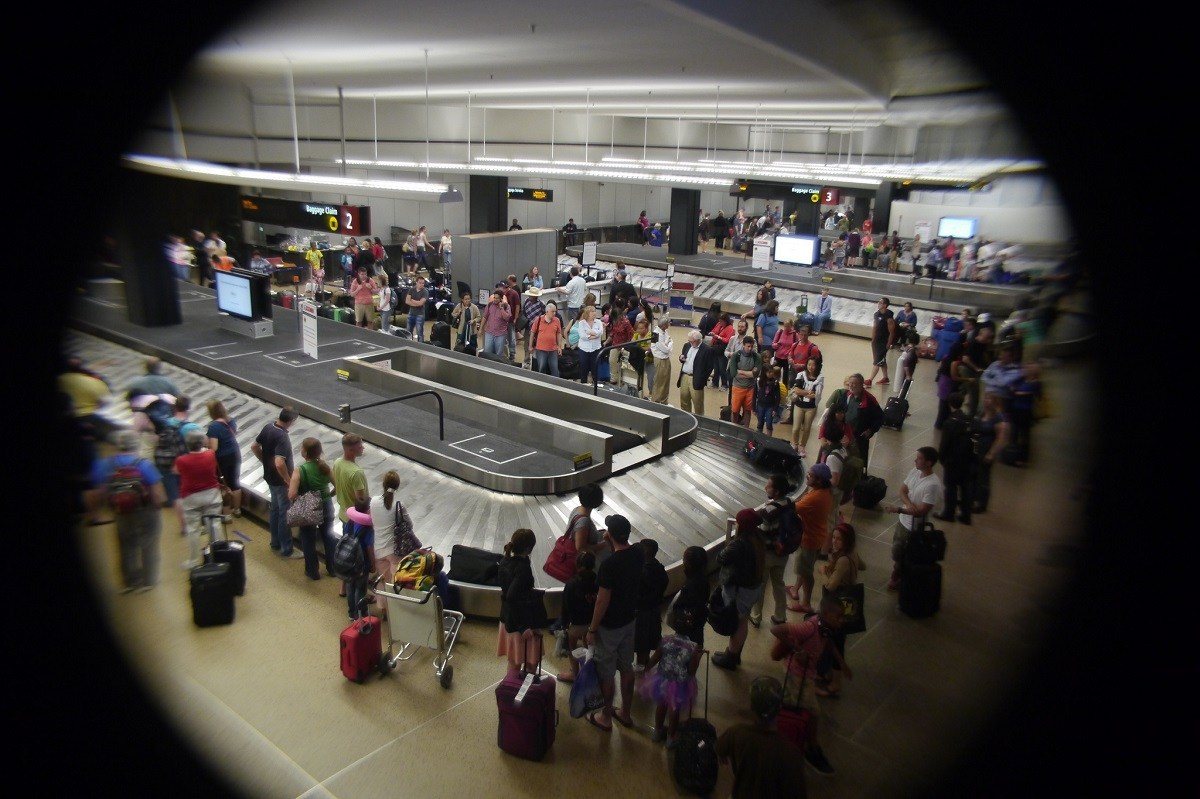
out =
column 289, row 300
column 526, row 727
column 362, row 648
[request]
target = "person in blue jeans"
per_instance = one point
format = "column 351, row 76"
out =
column 496, row 319
column 823, row 311
column 274, row 449
column 314, row 475
column 414, row 301
column 766, row 399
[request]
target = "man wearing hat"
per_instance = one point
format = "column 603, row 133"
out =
column 532, row 307
column 742, row 561
column 611, row 631
column 763, row 763
column 138, row 532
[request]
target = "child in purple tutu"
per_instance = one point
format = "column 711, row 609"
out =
column 670, row 680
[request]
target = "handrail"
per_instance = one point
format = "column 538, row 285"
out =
column 599, row 352
column 344, row 409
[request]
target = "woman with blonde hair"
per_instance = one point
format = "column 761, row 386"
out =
column 394, row 536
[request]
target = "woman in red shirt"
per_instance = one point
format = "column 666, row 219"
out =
column 785, row 339
column 620, row 331
column 722, row 331
column 199, row 490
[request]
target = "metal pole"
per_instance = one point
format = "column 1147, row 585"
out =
column 295, row 124
column 678, row 135
column 342, row 119
column 468, row 128
column 645, row 131
column 427, row 114
column 375, row 116
column 552, row 110
column 587, row 124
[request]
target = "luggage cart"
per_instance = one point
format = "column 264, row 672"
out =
column 417, row 619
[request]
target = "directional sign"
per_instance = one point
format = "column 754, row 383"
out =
column 308, row 324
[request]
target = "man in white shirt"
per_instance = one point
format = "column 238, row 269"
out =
column 921, row 493
column 576, row 291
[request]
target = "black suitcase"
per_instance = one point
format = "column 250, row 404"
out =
column 920, row 589
column 568, row 365
column 233, row 553
column 696, row 767
column 474, row 565
column 772, row 453
column 212, row 592
column 465, row 349
column 343, row 301
column 440, row 335
column 325, row 310
column 896, row 409
column 726, row 413
column 444, row 310
column 322, row 296
column 869, row 491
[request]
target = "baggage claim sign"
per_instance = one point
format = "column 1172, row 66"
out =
column 348, row 220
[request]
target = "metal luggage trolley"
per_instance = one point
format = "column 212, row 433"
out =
column 417, row 619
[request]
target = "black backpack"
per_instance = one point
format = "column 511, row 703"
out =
column 791, row 529
column 349, row 562
column 170, row 444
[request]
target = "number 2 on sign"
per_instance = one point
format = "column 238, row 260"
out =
column 349, row 221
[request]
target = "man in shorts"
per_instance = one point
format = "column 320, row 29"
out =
column 614, row 620
column 883, row 336
column 743, row 371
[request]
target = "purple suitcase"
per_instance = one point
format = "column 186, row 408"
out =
column 526, row 729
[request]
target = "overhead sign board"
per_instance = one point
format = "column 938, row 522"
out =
column 535, row 195
column 812, row 192
column 347, row 220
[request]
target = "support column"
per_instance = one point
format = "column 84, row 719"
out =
column 883, row 207
column 685, row 221
column 489, row 204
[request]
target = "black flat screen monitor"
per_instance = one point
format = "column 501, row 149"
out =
column 960, row 227
column 797, row 249
column 246, row 295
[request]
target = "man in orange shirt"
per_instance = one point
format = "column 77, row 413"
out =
column 813, row 507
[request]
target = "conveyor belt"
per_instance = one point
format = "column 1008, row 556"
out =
column 680, row 500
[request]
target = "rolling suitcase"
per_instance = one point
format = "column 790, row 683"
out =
column 568, row 365
column 695, row 767
column 528, row 718
column 440, row 335
column 326, row 311
column 212, row 591
column 234, row 554
column 361, row 648
column 288, row 300
column 920, row 589
column 869, row 491
column 896, row 409
column 465, row 349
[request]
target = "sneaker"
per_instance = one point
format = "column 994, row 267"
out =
column 866, row 383
column 295, row 554
column 816, row 758
column 725, row 660
column 883, row 381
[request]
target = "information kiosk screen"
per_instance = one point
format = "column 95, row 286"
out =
column 797, row 249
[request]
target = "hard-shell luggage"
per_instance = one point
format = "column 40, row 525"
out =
column 474, row 565
column 234, row 554
column 869, row 491
column 361, row 648
column 896, row 409
column 440, row 335
column 212, row 592
column 696, row 766
column 920, row 589
column 772, row 453
column 528, row 718
column 287, row 299
column 343, row 315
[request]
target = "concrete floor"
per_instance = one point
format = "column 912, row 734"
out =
column 264, row 702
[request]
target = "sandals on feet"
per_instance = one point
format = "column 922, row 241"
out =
column 591, row 718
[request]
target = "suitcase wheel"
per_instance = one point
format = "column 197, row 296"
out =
column 447, row 676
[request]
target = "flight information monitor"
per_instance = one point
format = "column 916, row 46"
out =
column 797, row 249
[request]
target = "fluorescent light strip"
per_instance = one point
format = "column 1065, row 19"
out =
column 252, row 177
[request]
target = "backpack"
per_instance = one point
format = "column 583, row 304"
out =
column 852, row 471
column 127, row 489
column 791, row 529
column 160, row 412
column 416, row 571
column 170, row 444
column 349, row 562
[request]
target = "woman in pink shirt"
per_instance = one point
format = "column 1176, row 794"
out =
column 362, row 289
column 785, row 339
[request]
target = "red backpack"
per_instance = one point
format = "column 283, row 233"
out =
column 560, row 564
column 127, row 490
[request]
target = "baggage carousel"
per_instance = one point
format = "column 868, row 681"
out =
column 680, row 489
column 942, row 296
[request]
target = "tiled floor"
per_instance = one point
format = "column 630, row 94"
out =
column 264, row 701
